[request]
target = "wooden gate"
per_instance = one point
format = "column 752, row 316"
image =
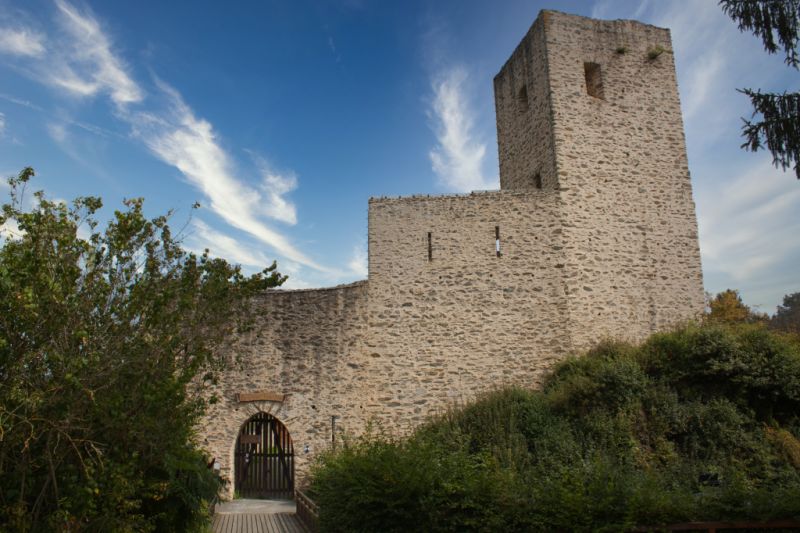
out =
column 264, row 459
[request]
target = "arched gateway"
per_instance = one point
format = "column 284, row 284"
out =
column 264, row 459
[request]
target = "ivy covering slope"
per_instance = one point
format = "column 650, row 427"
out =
column 697, row 424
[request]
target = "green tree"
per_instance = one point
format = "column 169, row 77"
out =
column 105, row 343
column 728, row 307
column 777, row 24
column 787, row 318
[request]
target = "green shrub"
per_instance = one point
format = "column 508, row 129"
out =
column 696, row 424
column 420, row 484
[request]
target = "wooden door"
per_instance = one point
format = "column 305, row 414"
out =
column 264, row 459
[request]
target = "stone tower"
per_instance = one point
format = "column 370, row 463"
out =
column 590, row 108
column 592, row 235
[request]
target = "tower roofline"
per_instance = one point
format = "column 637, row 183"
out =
column 544, row 14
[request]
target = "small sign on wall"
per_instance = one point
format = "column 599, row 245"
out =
column 262, row 396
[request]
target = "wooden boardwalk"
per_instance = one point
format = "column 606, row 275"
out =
column 257, row 523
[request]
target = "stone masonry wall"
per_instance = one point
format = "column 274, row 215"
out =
column 633, row 261
column 524, row 116
column 445, row 329
column 306, row 344
column 630, row 231
column 607, row 247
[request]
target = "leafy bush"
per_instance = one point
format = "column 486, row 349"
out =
column 697, row 424
column 100, row 341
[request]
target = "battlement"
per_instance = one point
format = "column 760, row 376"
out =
column 412, row 198
column 336, row 288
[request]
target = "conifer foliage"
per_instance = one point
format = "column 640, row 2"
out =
column 777, row 24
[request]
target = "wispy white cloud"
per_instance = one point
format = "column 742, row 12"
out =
column 359, row 261
column 603, row 9
column 600, row 9
column 88, row 64
column 458, row 158
column 334, row 51
column 20, row 101
column 644, row 5
column 10, row 230
column 21, row 42
column 181, row 139
column 297, row 276
column 85, row 64
column 79, row 59
column 275, row 185
column 57, row 132
column 2, row 124
column 83, row 150
column 63, row 117
column 204, row 237
column 701, row 39
column 749, row 225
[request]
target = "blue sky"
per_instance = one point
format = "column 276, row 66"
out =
column 283, row 117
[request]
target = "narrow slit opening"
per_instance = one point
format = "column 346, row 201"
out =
column 522, row 98
column 430, row 247
column 497, row 240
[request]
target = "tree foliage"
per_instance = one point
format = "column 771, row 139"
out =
column 777, row 24
column 727, row 307
column 787, row 317
column 698, row 424
column 102, row 338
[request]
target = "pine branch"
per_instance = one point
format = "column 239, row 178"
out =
column 779, row 131
column 768, row 19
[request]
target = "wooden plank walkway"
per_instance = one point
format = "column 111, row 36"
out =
column 257, row 523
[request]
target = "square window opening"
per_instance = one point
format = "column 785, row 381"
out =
column 594, row 80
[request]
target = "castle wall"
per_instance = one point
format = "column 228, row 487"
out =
column 609, row 111
column 633, row 259
column 524, row 116
column 465, row 321
column 606, row 247
column 306, row 344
